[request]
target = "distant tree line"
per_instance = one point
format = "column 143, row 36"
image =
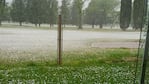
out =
column 34, row 11
column 99, row 12
column 39, row 12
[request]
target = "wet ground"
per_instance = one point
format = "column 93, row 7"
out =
column 25, row 39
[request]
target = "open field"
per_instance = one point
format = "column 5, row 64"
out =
column 29, row 56
column 24, row 39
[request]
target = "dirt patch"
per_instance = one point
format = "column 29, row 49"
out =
column 115, row 45
column 130, row 59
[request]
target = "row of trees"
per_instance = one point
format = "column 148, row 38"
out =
column 99, row 12
column 34, row 11
column 38, row 12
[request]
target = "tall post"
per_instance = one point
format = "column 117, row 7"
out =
column 59, row 39
column 145, row 59
column 146, row 51
column 59, row 42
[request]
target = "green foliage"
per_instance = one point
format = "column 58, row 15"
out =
column 65, row 12
column 7, row 16
column 36, row 11
column 99, row 11
column 77, row 13
column 51, row 14
column 70, row 58
column 125, row 14
column 139, row 13
column 18, row 11
column 2, row 10
column 111, row 74
column 74, row 14
column 84, row 66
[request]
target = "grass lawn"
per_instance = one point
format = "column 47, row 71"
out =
column 89, row 66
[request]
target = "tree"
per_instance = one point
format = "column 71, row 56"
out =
column 74, row 15
column 36, row 11
column 79, row 4
column 2, row 9
column 52, row 12
column 65, row 12
column 6, row 14
column 77, row 12
column 139, row 13
column 99, row 10
column 18, row 11
column 91, row 14
column 125, row 14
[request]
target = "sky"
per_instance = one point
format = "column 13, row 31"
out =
column 8, row 0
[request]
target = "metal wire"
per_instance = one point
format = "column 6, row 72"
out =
column 137, row 61
column 138, row 54
column 140, row 41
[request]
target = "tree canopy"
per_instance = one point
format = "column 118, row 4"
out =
column 125, row 14
column 2, row 10
column 18, row 11
column 139, row 13
column 99, row 10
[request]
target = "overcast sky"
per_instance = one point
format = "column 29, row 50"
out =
column 8, row 0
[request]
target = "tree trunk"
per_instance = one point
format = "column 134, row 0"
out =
column 20, row 23
column 93, row 26
column 35, row 24
column 80, row 23
column 80, row 26
column 101, row 26
column 50, row 26
column 39, row 24
column 0, row 23
column 80, row 20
